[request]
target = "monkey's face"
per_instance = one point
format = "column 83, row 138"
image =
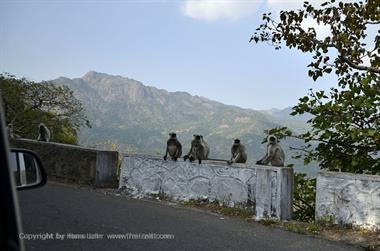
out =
column 235, row 147
column 272, row 139
column 197, row 137
column 172, row 135
column 237, row 141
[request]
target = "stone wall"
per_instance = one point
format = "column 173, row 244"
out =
column 348, row 199
column 73, row 163
column 268, row 189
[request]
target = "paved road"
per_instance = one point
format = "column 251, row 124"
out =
column 58, row 208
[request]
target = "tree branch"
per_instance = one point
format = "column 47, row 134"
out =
column 306, row 204
column 360, row 67
column 299, row 149
column 371, row 22
column 24, row 111
column 331, row 45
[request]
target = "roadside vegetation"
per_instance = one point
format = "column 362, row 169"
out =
column 241, row 211
column 28, row 103
column 344, row 130
column 345, row 125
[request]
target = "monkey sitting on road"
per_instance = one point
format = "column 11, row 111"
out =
column 43, row 133
column 199, row 149
column 275, row 156
column 173, row 147
column 238, row 153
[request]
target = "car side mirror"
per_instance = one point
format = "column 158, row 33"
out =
column 27, row 169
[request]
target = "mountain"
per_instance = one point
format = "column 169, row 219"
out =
column 138, row 118
column 284, row 115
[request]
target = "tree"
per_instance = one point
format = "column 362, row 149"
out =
column 346, row 121
column 27, row 104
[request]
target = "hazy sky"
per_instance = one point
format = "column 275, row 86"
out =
column 196, row 46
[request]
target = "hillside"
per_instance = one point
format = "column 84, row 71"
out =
column 138, row 118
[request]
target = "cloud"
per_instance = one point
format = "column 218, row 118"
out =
column 212, row 10
column 277, row 5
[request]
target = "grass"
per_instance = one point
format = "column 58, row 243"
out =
column 269, row 222
column 218, row 207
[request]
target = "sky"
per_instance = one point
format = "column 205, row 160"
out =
column 201, row 47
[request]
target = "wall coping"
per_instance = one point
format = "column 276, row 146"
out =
column 62, row 145
column 211, row 163
column 345, row 175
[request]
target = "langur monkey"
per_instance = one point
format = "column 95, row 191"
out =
column 173, row 147
column 275, row 156
column 10, row 131
column 238, row 153
column 43, row 133
column 199, row 149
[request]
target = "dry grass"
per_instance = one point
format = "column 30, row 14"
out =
column 219, row 208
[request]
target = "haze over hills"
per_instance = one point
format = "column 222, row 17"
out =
column 284, row 115
column 138, row 118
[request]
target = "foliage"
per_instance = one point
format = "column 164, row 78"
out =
column 279, row 132
column 346, row 121
column 304, row 198
column 27, row 104
column 269, row 222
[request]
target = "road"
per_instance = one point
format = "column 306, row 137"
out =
column 63, row 209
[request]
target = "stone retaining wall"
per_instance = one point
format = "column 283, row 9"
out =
column 268, row 189
column 348, row 199
column 73, row 163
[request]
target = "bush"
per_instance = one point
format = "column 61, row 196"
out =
column 304, row 198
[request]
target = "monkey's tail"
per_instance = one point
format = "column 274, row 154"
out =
column 224, row 160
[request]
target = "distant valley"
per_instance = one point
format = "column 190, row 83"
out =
column 133, row 118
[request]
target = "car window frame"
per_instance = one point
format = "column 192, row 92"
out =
column 10, row 221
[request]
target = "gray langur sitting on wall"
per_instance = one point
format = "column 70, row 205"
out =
column 173, row 147
column 43, row 133
column 199, row 149
column 238, row 154
column 10, row 131
column 275, row 156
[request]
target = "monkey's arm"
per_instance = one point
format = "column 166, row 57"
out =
column 179, row 151
column 187, row 156
column 269, row 156
column 191, row 150
column 236, row 157
column 260, row 162
column 229, row 162
column 166, row 153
